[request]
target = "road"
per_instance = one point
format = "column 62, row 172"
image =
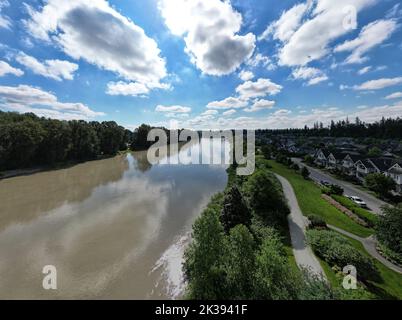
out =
column 372, row 202
column 297, row 226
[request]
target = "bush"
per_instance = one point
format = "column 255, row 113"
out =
column 380, row 183
column 316, row 221
column 338, row 252
column 335, row 189
column 389, row 228
column 295, row 167
column 305, row 173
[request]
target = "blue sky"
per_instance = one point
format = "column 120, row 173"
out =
column 202, row 64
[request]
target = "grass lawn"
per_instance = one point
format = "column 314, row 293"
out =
column 309, row 197
column 389, row 288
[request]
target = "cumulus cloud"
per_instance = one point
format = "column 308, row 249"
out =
column 31, row 99
column 97, row 33
column 259, row 105
column 54, row 69
column 5, row 68
column 323, row 23
column 209, row 113
column 370, row 36
column 395, row 95
column 172, row 109
column 228, row 103
column 210, row 31
column 246, row 75
column 229, row 112
column 379, row 84
column 313, row 75
column 260, row 88
column 286, row 26
column 260, row 60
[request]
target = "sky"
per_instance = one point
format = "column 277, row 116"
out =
column 202, row 64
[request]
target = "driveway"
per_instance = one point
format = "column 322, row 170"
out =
column 372, row 202
column 297, row 226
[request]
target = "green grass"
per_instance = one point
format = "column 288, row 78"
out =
column 389, row 288
column 309, row 197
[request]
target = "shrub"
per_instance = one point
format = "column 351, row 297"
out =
column 316, row 221
column 380, row 183
column 338, row 252
column 305, row 173
column 335, row 189
column 389, row 228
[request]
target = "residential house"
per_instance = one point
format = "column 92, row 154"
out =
column 321, row 157
column 334, row 160
column 363, row 168
column 349, row 164
column 395, row 172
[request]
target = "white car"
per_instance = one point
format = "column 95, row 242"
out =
column 358, row 201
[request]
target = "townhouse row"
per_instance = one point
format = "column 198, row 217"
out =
column 357, row 166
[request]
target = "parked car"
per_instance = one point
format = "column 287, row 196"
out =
column 358, row 201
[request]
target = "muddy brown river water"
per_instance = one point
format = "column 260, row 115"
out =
column 114, row 228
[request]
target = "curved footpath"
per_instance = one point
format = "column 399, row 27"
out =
column 297, row 226
column 370, row 244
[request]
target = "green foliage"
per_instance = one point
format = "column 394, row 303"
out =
column 235, row 210
column 389, row 228
column 203, row 265
column 264, row 195
column 379, row 183
column 338, row 252
column 27, row 140
column 335, row 189
column 370, row 218
column 309, row 159
column 316, row 221
column 140, row 141
column 305, row 173
column 374, row 152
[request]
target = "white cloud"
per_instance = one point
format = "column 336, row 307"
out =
column 54, row 69
column 246, row 75
column 322, row 25
column 364, row 70
column 31, row 99
column 210, row 30
column 370, row 36
column 97, row 33
column 313, row 75
column 229, row 112
column 5, row 68
column 379, row 84
column 172, row 110
column 127, row 89
column 259, row 105
column 260, row 60
column 227, row 103
column 209, row 113
column 260, row 88
column 395, row 95
column 4, row 20
column 285, row 27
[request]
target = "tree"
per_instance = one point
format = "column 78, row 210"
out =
column 235, row 210
column 266, row 151
column 305, row 173
column 203, row 259
column 264, row 195
column 374, row 152
column 389, row 228
column 380, row 183
column 240, row 263
column 140, row 141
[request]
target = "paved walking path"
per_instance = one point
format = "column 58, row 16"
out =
column 370, row 244
column 297, row 226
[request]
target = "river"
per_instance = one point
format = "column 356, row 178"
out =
column 113, row 228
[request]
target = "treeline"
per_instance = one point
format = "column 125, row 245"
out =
column 27, row 140
column 383, row 129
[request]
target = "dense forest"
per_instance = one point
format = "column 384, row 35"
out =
column 27, row 140
column 383, row 129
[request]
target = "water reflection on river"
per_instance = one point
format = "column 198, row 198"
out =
column 113, row 228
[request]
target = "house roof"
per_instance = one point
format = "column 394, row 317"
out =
column 383, row 164
column 354, row 157
column 339, row 155
column 367, row 163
